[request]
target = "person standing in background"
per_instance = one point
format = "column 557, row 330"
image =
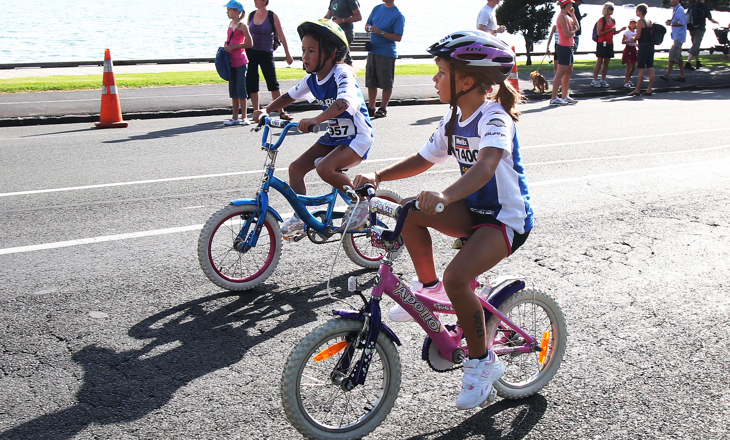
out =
column 698, row 32
column 645, row 59
column 385, row 25
column 487, row 19
column 606, row 28
column 567, row 26
column 579, row 17
column 678, row 23
column 262, row 54
column 344, row 13
column 238, row 39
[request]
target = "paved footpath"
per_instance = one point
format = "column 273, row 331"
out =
column 84, row 106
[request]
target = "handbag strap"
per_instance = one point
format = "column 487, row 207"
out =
column 228, row 43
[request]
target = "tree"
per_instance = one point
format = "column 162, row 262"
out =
column 532, row 18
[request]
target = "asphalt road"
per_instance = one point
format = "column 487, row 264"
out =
column 110, row 329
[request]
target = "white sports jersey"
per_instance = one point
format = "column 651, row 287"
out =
column 352, row 127
column 505, row 196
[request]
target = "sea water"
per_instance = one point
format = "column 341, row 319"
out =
column 79, row 30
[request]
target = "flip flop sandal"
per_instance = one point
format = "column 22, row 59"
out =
column 285, row 116
column 380, row 113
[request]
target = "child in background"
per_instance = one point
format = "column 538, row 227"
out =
column 489, row 203
column 349, row 137
column 630, row 54
column 239, row 38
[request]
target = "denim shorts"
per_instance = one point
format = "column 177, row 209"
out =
column 237, row 83
column 565, row 55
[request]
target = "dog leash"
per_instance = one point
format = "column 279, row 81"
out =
column 541, row 61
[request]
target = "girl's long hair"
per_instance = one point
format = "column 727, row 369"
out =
column 486, row 77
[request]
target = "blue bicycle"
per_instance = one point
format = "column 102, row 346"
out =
column 240, row 245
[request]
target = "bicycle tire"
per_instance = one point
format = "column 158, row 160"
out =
column 535, row 312
column 357, row 245
column 227, row 267
column 375, row 398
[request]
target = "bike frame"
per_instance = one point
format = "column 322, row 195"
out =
column 423, row 309
column 297, row 201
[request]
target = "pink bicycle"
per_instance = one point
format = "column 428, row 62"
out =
column 342, row 379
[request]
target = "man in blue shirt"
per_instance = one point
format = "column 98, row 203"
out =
column 385, row 26
column 678, row 24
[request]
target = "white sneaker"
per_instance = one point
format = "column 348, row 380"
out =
column 358, row 218
column 604, row 83
column 245, row 122
column 232, row 122
column 292, row 228
column 628, row 85
column 570, row 100
column 595, row 83
column 478, row 381
column 558, row 101
column 399, row 314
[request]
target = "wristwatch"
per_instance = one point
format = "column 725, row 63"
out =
column 382, row 32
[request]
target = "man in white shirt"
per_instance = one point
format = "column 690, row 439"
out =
column 487, row 21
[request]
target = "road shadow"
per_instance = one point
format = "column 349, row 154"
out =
column 177, row 131
column 183, row 343
column 481, row 424
column 427, row 121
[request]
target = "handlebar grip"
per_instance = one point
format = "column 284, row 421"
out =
column 314, row 128
column 438, row 208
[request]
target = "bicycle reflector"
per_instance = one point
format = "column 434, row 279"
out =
column 543, row 348
column 330, row 351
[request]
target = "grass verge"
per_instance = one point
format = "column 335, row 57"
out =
column 169, row 79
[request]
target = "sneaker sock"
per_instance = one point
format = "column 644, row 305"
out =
column 485, row 356
column 431, row 284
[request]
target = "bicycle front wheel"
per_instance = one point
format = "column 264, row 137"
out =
column 540, row 316
column 223, row 263
column 314, row 401
column 358, row 246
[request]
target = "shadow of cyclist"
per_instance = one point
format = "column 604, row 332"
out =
column 528, row 411
column 184, row 343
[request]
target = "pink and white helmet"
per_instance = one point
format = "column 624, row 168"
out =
column 478, row 49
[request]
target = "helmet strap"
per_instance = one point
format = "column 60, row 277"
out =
column 453, row 104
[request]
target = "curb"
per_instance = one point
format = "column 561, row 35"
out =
column 94, row 117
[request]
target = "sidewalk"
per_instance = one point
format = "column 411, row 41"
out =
column 84, row 106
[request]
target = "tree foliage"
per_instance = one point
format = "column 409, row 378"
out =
column 531, row 18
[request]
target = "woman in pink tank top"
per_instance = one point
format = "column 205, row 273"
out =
column 238, row 39
column 567, row 27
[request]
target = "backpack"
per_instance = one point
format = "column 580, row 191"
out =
column 595, row 28
column 657, row 33
column 277, row 42
column 695, row 17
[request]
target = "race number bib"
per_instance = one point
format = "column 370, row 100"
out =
column 341, row 127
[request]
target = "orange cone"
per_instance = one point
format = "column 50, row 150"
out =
column 111, row 111
column 513, row 79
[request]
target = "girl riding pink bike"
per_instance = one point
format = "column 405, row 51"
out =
column 489, row 203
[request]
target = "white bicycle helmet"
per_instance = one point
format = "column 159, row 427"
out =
column 477, row 49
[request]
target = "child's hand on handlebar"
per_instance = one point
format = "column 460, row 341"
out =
column 362, row 179
column 427, row 201
column 304, row 124
column 259, row 114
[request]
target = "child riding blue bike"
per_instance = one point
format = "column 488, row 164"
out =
column 331, row 83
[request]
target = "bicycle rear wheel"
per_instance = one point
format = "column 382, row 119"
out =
column 225, row 265
column 314, row 401
column 536, row 313
column 358, row 247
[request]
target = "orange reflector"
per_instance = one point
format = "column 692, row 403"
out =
column 330, row 351
column 544, row 347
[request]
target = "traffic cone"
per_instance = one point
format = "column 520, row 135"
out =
column 111, row 111
column 513, row 79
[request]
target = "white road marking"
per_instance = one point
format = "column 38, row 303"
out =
column 92, row 240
